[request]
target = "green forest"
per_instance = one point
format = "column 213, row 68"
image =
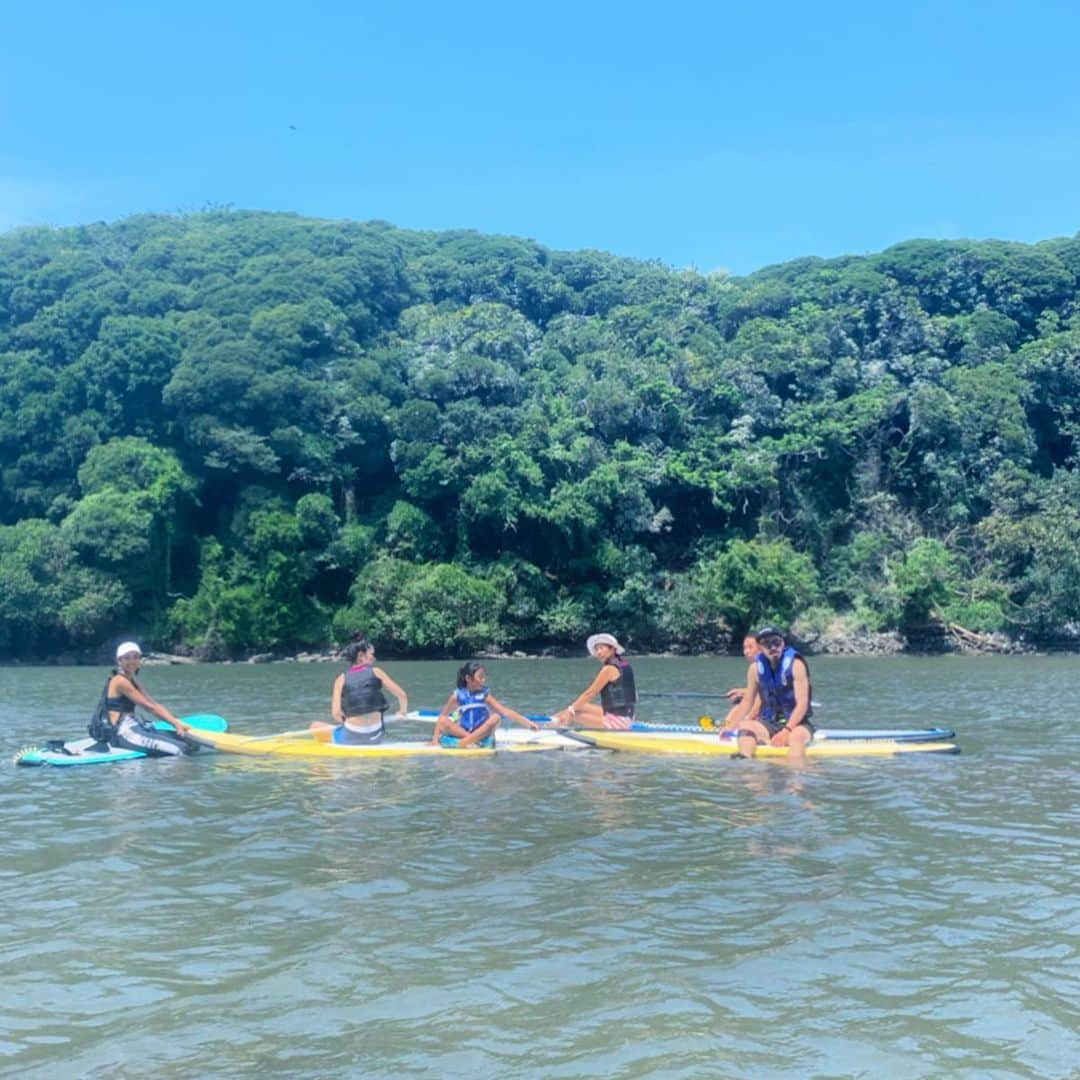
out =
column 231, row 432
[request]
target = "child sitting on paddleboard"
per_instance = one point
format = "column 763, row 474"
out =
column 471, row 713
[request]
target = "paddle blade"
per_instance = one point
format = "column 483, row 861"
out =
column 201, row 721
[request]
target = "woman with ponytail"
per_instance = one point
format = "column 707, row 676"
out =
column 357, row 701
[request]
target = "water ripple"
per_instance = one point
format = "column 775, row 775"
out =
column 553, row 915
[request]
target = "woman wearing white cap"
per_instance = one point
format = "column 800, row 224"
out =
column 614, row 683
column 116, row 722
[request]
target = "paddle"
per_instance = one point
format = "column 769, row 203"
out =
column 692, row 694
column 428, row 715
column 299, row 733
column 199, row 721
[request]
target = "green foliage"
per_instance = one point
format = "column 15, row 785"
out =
column 316, row 521
column 411, row 533
column 432, row 608
column 747, row 583
column 235, row 428
column 48, row 596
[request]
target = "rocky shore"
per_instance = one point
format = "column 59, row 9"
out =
column 932, row 641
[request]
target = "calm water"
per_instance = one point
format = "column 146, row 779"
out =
column 548, row 915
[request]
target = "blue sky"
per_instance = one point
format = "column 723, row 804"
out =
column 708, row 135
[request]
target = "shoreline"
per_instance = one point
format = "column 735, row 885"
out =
column 945, row 643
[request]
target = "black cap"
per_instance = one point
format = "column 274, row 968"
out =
column 768, row 631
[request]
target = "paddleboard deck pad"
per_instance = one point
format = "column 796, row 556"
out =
column 91, row 752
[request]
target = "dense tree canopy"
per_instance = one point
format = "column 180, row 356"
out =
column 240, row 431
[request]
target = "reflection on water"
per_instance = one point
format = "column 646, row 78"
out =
column 547, row 915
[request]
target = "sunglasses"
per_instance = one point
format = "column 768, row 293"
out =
column 771, row 642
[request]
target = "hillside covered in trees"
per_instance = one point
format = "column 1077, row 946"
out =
column 248, row 431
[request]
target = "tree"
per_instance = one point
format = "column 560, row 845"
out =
column 747, row 583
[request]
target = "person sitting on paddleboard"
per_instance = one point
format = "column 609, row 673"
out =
column 116, row 722
column 778, row 681
column 614, row 683
column 476, row 710
column 737, row 694
column 357, row 701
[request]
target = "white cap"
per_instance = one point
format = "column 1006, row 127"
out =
column 603, row 639
column 127, row 647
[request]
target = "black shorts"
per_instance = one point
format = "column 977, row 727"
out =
column 773, row 726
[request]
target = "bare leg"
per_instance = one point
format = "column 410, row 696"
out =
column 486, row 728
column 446, row 726
column 758, row 733
column 798, row 742
column 585, row 716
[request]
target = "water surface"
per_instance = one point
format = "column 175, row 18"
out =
column 547, row 915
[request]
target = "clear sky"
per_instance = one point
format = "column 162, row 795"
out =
column 713, row 135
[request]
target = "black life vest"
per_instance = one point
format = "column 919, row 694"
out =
column 100, row 727
column 620, row 695
column 361, row 692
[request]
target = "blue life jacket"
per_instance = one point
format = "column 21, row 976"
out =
column 472, row 707
column 778, row 687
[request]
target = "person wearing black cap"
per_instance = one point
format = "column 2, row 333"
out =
column 779, row 681
column 615, row 685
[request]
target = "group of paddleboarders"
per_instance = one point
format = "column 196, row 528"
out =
column 773, row 708
column 472, row 713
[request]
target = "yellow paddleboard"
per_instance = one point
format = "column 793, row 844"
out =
column 305, row 747
column 651, row 743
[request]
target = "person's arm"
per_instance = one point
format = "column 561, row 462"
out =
column 443, row 717
column 746, row 706
column 605, row 675
column 504, row 710
column 801, row 681
column 335, row 700
column 130, row 690
column 402, row 697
